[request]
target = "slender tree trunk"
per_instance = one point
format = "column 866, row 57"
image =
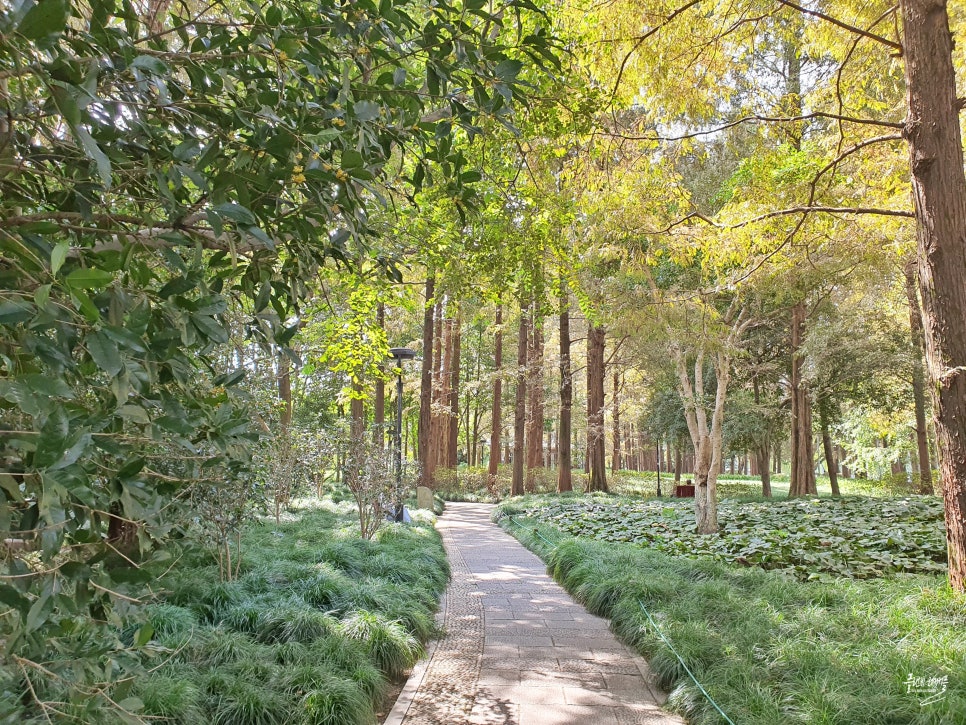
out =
column 939, row 191
column 357, row 414
column 616, row 462
column 442, row 403
column 565, row 464
column 424, row 444
column 763, row 456
column 496, row 416
column 762, row 451
column 285, row 391
column 454, row 393
column 678, row 463
column 802, row 481
column 379, row 402
column 829, row 449
column 535, row 403
column 918, row 379
column 520, row 410
column 596, row 443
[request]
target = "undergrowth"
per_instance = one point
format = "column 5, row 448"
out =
column 770, row 649
column 814, row 538
column 316, row 625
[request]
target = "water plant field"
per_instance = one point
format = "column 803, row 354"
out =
column 813, row 538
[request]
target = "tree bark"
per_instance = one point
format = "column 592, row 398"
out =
column 616, row 463
column 918, row 379
column 454, row 393
column 424, row 432
column 596, row 442
column 939, row 192
column 763, row 457
column 445, row 345
column 520, row 410
column 496, row 415
column 830, row 462
column 802, row 482
column 565, row 462
column 379, row 402
column 285, row 391
column 535, row 402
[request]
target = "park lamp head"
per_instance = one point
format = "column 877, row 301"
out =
column 402, row 353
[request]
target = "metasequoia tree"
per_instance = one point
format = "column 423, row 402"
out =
column 520, row 408
column 564, row 460
column 596, row 434
column 939, row 193
column 496, row 417
column 918, row 375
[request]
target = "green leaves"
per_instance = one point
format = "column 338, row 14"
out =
column 84, row 279
column 811, row 538
column 46, row 18
column 105, row 353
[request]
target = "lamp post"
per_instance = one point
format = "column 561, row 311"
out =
column 399, row 354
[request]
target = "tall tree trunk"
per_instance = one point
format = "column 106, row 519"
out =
column 424, row 448
column 496, row 415
column 678, row 463
column 918, row 379
column 357, row 413
column 616, row 459
column 763, row 457
column 535, row 392
column 285, row 391
column 762, row 450
column 445, row 346
column 565, row 462
column 379, row 402
column 454, row 393
column 802, row 482
column 830, row 462
column 520, row 410
column 939, row 191
column 596, row 442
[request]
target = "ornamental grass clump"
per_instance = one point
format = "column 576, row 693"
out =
column 391, row 647
column 312, row 630
column 172, row 698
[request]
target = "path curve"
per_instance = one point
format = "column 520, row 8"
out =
column 517, row 650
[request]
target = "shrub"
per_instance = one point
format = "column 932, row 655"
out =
column 391, row 647
column 174, row 697
column 338, row 702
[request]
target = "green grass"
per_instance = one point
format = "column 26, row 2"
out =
column 312, row 631
column 768, row 648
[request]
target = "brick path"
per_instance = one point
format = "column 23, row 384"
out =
column 517, row 649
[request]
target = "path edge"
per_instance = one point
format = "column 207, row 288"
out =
column 406, row 696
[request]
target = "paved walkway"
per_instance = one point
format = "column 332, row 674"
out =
column 517, row 649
